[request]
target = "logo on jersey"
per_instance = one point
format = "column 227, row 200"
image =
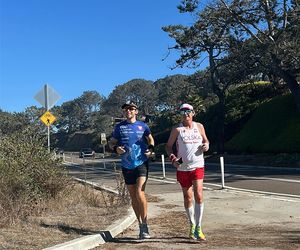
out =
column 140, row 127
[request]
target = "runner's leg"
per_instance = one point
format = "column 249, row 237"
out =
column 141, row 198
column 198, row 194
column 199, row 207
column 134, row 201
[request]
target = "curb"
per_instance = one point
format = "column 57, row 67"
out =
column 92, row 241
column 86, row 242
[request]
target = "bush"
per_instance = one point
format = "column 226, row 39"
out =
column 273, row 128
column 160, row 149
column 28, row 175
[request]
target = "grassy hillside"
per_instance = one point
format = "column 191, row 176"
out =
column 273, row 128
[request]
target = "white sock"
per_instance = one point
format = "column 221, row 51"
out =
column 190, row 215
column 198, row 213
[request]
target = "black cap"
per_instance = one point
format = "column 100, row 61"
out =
column 129, row 105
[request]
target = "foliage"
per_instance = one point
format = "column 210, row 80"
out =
column 12, row 122
column 165, row 120
column 160, row 149
column 244, row 99
column 79, row 114
column 211, row 123
column 241, row 101
column 210, row 35
column 273, row 128
column 103, row 124
column 140, row 91
column 242, row 40
column 202, row 83
column 28, row 174
column 173, row 90
column 273, row 28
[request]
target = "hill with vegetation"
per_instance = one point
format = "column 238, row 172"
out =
column 273, row 128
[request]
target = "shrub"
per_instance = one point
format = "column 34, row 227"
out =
column 29, row 175
column 273, row 128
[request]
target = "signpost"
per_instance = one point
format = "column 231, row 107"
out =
column 103, row 139
column 47, row 97
column 103, row 142
column 48, row 119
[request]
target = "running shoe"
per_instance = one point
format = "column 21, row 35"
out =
column 199, row 234
column 144, row 231
column 192, row 232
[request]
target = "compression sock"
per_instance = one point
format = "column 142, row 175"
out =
column 190, row 215
column 198, row 213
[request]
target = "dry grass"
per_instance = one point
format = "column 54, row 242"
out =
column 78, row 212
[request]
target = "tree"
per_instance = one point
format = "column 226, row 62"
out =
column 172, row 90
column 211, row 36
column 220, row 27
column 275, row 26
column 12, row 122
column 33, row 115
column 103, row 124
column 140, row 91
column 91, row 101
column 79, row 114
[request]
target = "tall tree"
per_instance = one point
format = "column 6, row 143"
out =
column 221, row 26
column 12, row 122
column 33, row 115
column 172, row 90
column 210, row 36
column 91, row 101
column 275, row 26
column 80, row 113
column 140, row 91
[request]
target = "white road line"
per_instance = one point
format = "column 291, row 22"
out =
column 259, row 192
column 251, row 166
column 263, row 178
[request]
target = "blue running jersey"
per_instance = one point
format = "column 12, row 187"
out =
column 133, row 137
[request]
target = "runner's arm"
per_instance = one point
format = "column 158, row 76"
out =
column 150, row 140
column 113, row 145
column 169, row 146
column 205, row 142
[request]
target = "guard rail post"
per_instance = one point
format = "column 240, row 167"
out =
column 163, row 166
column 222, row 171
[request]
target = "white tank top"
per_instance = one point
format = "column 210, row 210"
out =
column 189, row 142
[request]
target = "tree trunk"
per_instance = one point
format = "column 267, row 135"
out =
column 221, row 109
column 290, row 79
column 294, row 87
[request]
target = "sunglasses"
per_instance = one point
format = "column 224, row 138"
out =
column 186, row 112
column 131, row 109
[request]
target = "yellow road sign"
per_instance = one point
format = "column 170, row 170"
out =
column 48, row 118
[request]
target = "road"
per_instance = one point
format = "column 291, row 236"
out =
column 284, row 181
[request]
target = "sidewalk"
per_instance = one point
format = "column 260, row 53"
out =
column 231, row 220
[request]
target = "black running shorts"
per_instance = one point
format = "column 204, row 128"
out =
column 131, row 175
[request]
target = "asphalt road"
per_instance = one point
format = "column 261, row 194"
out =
column 285, row 181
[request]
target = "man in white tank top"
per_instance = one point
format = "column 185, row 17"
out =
column 191, row 142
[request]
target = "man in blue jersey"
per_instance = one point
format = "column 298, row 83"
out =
column 132, row 140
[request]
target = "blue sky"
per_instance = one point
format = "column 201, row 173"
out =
column 80, row 45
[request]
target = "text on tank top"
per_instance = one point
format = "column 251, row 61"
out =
column 189, row 142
